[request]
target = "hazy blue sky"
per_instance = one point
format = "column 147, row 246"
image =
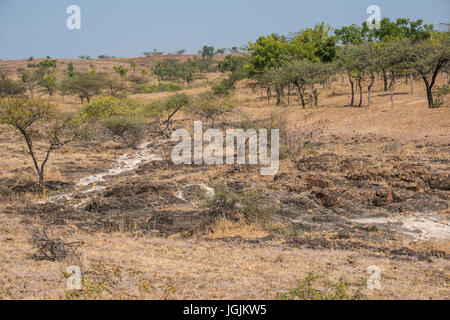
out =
column 127, row 28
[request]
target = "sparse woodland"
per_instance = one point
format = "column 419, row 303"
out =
column 363, row 116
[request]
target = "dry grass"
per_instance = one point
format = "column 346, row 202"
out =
column 199, row 268
column 225, row 228
column 151, row 268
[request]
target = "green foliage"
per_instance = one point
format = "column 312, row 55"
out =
column 314, row 44
column 121, row 70
column 31, row 79
column 129, row 128
column 49, row 83
column 222, row 88
column 109, row 106
column 137, row 79
column 70, row 70
column 207, row 51
column 37, row 119
column 177, row 102
column 268, row 52
column 153, row 53
column 211, row 107
column 85, row 85
column 402, row 28
column 115, row 84
column 152, row 88
column 350, row 35
column 154, row 109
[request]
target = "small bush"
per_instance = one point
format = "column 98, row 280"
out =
column 154, row 109
column 128, row 128
column 223, row 88
column 309, row 289
column 246, row 205
column 51, row 248
column 152, row 88
column 137, row 79
column 109, row 106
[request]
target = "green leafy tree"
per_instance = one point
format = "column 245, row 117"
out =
column 211, row 107
column 429, row 58
column 314, row 44
column 115, row 84
column 174, row 104
column 158, row 70
column 207, row 51
column 121, row 70
column 31, row 79
column 85, row 85
column 70, row 70
column 34, row 119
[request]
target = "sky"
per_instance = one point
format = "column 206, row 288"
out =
column 127, row 28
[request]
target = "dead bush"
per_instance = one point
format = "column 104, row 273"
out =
column 51, row 248
column 301, row 140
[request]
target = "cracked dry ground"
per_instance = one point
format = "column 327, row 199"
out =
column 338, row 212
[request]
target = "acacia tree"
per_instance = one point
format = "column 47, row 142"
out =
column 428, row 58
column 158, row 70
column 298, row 74
column 278, row 78
column 174, row 104
column 121, row 70
column 211, row 107
column 207, row 51
column 85, row 85
column 114, row 84
column 47, row 72
column 36, row 118
column 320, row 73
column 30, row 79
column 348, row 61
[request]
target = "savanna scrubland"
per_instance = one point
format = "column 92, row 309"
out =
column 363, row 179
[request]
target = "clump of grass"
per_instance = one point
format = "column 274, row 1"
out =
column 130, row 129
column 314, row 287
column 113, row 283
column 246, row 205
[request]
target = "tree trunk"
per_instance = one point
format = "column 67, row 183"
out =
column 353, row 91
column 315, row 94
column 278, row 92
column 360, row 92
column 369, row 88
column 300, row 93
column 316, row 97
column 411, row 80
column 385, row 79
column 392, row 88
column 289, row 94
column 430, row 97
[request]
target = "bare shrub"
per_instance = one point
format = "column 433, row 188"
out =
column 298, row 141
column 51, row 248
